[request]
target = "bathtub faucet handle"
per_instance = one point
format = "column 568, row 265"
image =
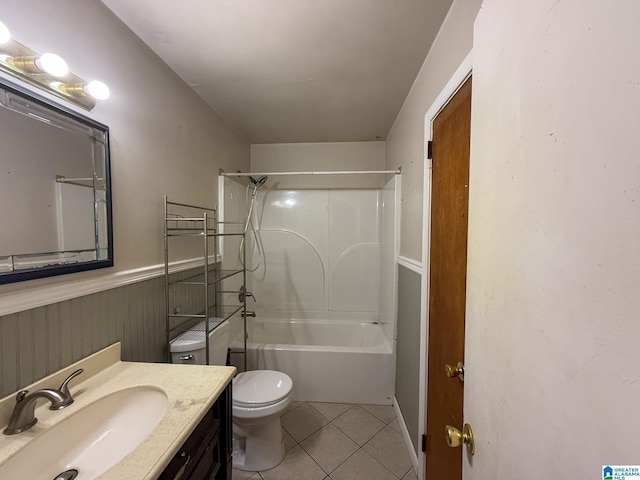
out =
column 244, row 293
column 246, row 314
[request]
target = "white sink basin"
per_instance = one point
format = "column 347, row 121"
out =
column 91, row 440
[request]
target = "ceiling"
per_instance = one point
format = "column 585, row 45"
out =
column 289, row 71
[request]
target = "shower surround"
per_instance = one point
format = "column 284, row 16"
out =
column 324, row 289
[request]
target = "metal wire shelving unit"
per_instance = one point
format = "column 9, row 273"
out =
column 204, row 276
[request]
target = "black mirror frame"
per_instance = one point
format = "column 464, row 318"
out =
column 54, row 270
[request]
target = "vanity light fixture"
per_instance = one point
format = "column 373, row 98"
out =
column 97, row 90
column 49, row 63
column 94, row 88
column 48, row 72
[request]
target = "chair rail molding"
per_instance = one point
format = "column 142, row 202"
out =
column 411, row 264
column 14, row 302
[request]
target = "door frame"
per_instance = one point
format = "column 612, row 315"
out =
column 453, row 85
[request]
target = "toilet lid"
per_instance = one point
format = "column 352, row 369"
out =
column 195, row 338
column 260, row 387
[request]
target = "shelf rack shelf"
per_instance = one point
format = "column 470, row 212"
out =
column 218, row 276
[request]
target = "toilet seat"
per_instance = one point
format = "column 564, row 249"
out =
column 260, row 393
column 260, row 388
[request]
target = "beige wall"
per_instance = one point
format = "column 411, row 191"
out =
column 164, row 139
column 405, row 142
column 405, row 148
column 554, row 261
column 312, row 157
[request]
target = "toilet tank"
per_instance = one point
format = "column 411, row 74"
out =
column 190, row 347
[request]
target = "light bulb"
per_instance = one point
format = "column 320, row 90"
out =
column 97, row 90
column 52, row 64
column 5, row 36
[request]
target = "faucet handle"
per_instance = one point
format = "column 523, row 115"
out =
column 21, row 394
column 64, row 388
column 243, row 294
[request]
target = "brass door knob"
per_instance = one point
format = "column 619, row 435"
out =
column 457, row 371
column 455, row 437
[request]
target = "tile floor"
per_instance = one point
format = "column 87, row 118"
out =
column 337, row 441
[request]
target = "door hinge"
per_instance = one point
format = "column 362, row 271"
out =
column 429, row 149
column 424, row 443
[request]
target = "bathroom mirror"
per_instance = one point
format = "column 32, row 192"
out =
column 55, row 189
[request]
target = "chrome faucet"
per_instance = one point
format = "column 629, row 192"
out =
column 23, row 416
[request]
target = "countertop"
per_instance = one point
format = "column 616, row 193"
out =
column 191, row 391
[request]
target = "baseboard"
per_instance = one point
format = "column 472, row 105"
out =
column 406, row 437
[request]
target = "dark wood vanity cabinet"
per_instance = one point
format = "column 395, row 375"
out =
column 206, row 454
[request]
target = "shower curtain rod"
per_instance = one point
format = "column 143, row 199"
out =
column 76, row 181
column 63, row 179
column 346, row 172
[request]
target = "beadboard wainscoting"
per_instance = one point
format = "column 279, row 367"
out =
column 36, row 342
column 408, row 349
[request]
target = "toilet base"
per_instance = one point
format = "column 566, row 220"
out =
column 258, row 447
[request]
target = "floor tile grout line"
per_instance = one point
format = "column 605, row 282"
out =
column 387, row 468
column 331, row 422
column 346, row 459
column 315, row 461
column 312, row 433
column 329, row 473
column 354, row 440
column 357, row 450
column 383, row 421
column 352, row 405
column 360, row 447
column 382, row 464
column 294, row 408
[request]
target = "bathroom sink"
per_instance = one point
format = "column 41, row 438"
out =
column 91, row 440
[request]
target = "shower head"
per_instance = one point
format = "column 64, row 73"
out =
column 259, row 182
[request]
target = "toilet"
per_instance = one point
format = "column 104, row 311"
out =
column 260, row 397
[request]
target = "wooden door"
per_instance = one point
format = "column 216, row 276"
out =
column 447, row 288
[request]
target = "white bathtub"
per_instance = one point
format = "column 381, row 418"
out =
column 328, row 360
